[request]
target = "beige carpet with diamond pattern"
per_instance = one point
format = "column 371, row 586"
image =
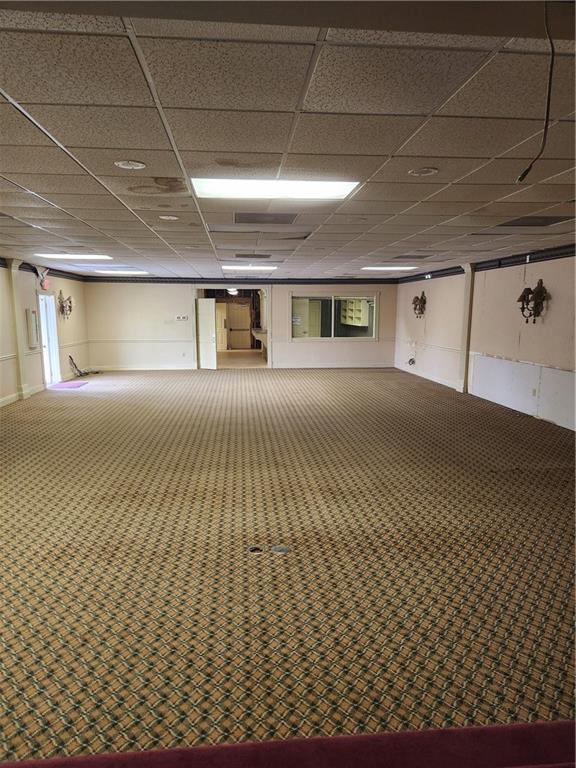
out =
column 427, row 581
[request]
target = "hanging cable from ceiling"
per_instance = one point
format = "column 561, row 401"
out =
column 527, row 170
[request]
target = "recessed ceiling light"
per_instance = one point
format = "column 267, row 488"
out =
column 74, row 256
column 248, row 267
column 423, row 171
column 388, row 269
column 277, row 189
column 121, row 272
column 130, row 165
column 169, row 218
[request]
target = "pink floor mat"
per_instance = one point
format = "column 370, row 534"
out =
column 74, row 384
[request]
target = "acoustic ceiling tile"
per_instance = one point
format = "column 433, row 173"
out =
column 469, row 137
column 227, row 165
column 543, row 192
column 84, row 201
column 559, row 143
column 330, row 167
column 15, row 128
column 223, row 31
column 229, row 131
column 507, row 170
column 67, row 184
column 397, row 81
column 102, row 126
column 474, row 192
column 398, row 168
column 414, row 39
column 514, row 85
column 222, row 75
column 42, row 160
column 396, row 192
column 71, row 69
column 101, row 162
column 59, row 22
column 352, row 134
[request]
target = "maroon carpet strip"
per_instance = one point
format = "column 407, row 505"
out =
column 522, row 745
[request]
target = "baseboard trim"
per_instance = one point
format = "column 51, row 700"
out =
column 7, row 399
column 457, row 385
column 29, row 391
column 120, row 368
column 14, row 397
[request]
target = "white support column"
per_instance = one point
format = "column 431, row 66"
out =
column 18, row 320
column 466, row 326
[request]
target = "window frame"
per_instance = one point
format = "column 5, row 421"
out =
column 333, row 296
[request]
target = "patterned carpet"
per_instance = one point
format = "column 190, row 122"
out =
column 427, row 582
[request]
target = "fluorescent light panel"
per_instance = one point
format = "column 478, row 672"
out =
column 248, row 267
column 74, row 256
column 273, row 189
column 389, row 269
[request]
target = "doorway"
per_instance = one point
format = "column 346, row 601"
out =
column 49, row 332
column 234, row 322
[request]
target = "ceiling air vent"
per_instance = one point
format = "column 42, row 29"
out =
column 535, row 221
column 264, row 218
column 252, row 255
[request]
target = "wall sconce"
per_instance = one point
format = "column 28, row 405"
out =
column 65, row 305
column 532, row 301
column 419, row 305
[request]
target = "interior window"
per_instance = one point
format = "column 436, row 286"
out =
column 311, row 317
column 354, row 317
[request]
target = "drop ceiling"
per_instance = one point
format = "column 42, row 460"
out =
column 224, row 100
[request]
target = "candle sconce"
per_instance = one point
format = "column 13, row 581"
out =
column 532, row 301
column 419, row 305
column 65, row 305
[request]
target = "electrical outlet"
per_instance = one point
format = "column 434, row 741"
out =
column 182, row 318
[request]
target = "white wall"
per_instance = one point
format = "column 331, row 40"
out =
column 128, row 326
column 286, row 352
column 434, row 340
column 525, row 366
column 133, row 326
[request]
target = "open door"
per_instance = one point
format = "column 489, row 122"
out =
column 49, row 331
column 221, row 327
column 206, row 330
column 239, row 326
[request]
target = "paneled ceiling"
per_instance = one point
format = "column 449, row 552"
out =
column 234, row 100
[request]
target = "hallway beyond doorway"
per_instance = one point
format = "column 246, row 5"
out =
column 241, row 358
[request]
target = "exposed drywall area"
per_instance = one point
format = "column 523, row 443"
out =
column 433, row 341
column 133, row 326
column 332, row 353
column 525, row 366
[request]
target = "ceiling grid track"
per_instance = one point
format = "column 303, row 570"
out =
column 489, row 57
column 154, row 92
column 317, row 99
column 61, row 146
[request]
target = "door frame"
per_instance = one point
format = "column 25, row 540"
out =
column 249, row 287
column 50, row 347
column 212, row 343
